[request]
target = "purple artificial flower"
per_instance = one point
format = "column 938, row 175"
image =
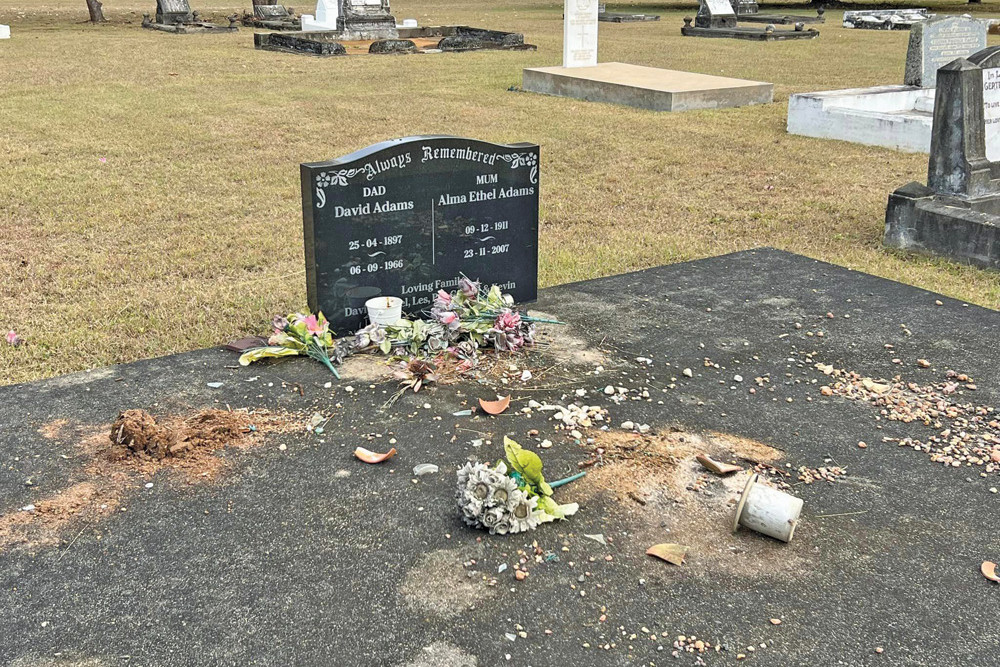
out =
column 470, row 288
column 279, row 323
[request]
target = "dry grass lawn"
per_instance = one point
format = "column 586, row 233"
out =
column 189, row 233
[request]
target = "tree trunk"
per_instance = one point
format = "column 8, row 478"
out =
column 96, row 13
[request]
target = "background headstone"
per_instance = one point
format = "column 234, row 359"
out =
column 938, row 41
column 580, row 33
column 270, row 11
column 4, row 31
column 408, row 217
column 715, row 14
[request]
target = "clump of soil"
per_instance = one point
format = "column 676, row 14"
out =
column 139, row 433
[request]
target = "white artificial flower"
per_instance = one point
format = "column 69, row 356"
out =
column 502, row 492
column 525, row 515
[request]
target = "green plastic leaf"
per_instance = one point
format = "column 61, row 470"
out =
column 551, row 508
column 385, row 346
column 258, row 353
column 528, row 464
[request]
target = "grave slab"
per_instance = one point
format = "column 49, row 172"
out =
column 897, row 117
column 302, row 555
column 646, row 87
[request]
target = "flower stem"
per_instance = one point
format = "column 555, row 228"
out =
column 572, row 478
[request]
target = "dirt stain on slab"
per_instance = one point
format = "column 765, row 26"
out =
column 442, row 654
column 438, row 584
column 657, row 489
column 119, row 458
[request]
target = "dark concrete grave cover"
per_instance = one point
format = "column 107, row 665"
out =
column 958, row 213
column 936, row 42
column 408, row 217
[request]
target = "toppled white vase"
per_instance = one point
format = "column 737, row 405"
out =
column 768, row 511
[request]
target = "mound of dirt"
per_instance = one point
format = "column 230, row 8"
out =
column 139, row 433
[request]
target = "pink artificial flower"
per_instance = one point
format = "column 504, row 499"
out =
column 103, row 160
column 508, row 321
column 448, row 317
column 443, row 297
column 312, row 325
column 13, row 339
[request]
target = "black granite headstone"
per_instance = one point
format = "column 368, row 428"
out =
column 408, row 217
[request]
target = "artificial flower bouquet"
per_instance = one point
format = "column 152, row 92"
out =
column 299, row 334
column 511, row 499
column 459, row 324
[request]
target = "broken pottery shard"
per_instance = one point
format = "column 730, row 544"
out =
column 425, row 469
column 369, row 456
column 214, row 385
column 670, row 552
column 495, row 407
column 989, row 570
column 717, row 467
column 877, row 387
column 599, row 537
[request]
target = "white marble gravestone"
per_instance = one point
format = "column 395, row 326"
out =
column 4, row 31
column 325, row 17
column 580, row 33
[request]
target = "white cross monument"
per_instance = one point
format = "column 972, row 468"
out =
column 580, row 33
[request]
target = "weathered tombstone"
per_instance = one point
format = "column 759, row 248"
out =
column 367, row 18
column 938, row 41
column 580, row 33
column 957, row 214
column 885, row 19
column 270, row 11
column 410, row 216
column 169, row 12
column 745, row 7
column 715, row 14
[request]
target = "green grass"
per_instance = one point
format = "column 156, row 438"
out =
column 190, row 233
